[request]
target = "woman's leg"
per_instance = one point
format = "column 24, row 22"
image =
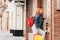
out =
column 42, row 33
column 34, row 29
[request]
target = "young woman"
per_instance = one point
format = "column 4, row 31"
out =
column 38, row 22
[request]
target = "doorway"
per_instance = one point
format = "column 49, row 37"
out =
column 47, row 14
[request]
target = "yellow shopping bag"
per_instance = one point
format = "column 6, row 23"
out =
column 37, row 37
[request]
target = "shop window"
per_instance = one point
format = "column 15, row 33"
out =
column 58, row 5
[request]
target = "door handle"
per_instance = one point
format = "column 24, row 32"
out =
column 47, row 24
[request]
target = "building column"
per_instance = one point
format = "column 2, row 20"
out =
column 49, row 19
column 34, row 7
column 4, row 22
column 0, row 22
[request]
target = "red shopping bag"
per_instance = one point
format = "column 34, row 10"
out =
column 37, row 37
column 30, row 21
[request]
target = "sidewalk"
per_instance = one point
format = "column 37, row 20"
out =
column 5, row 36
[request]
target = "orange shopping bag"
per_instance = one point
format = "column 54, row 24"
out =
column 37, row 37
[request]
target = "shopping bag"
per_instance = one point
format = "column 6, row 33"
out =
column 37, row 37
column 30, row 21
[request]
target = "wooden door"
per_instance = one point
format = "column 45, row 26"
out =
column 47, row 14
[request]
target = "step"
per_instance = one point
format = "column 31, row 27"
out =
column 17, row 32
